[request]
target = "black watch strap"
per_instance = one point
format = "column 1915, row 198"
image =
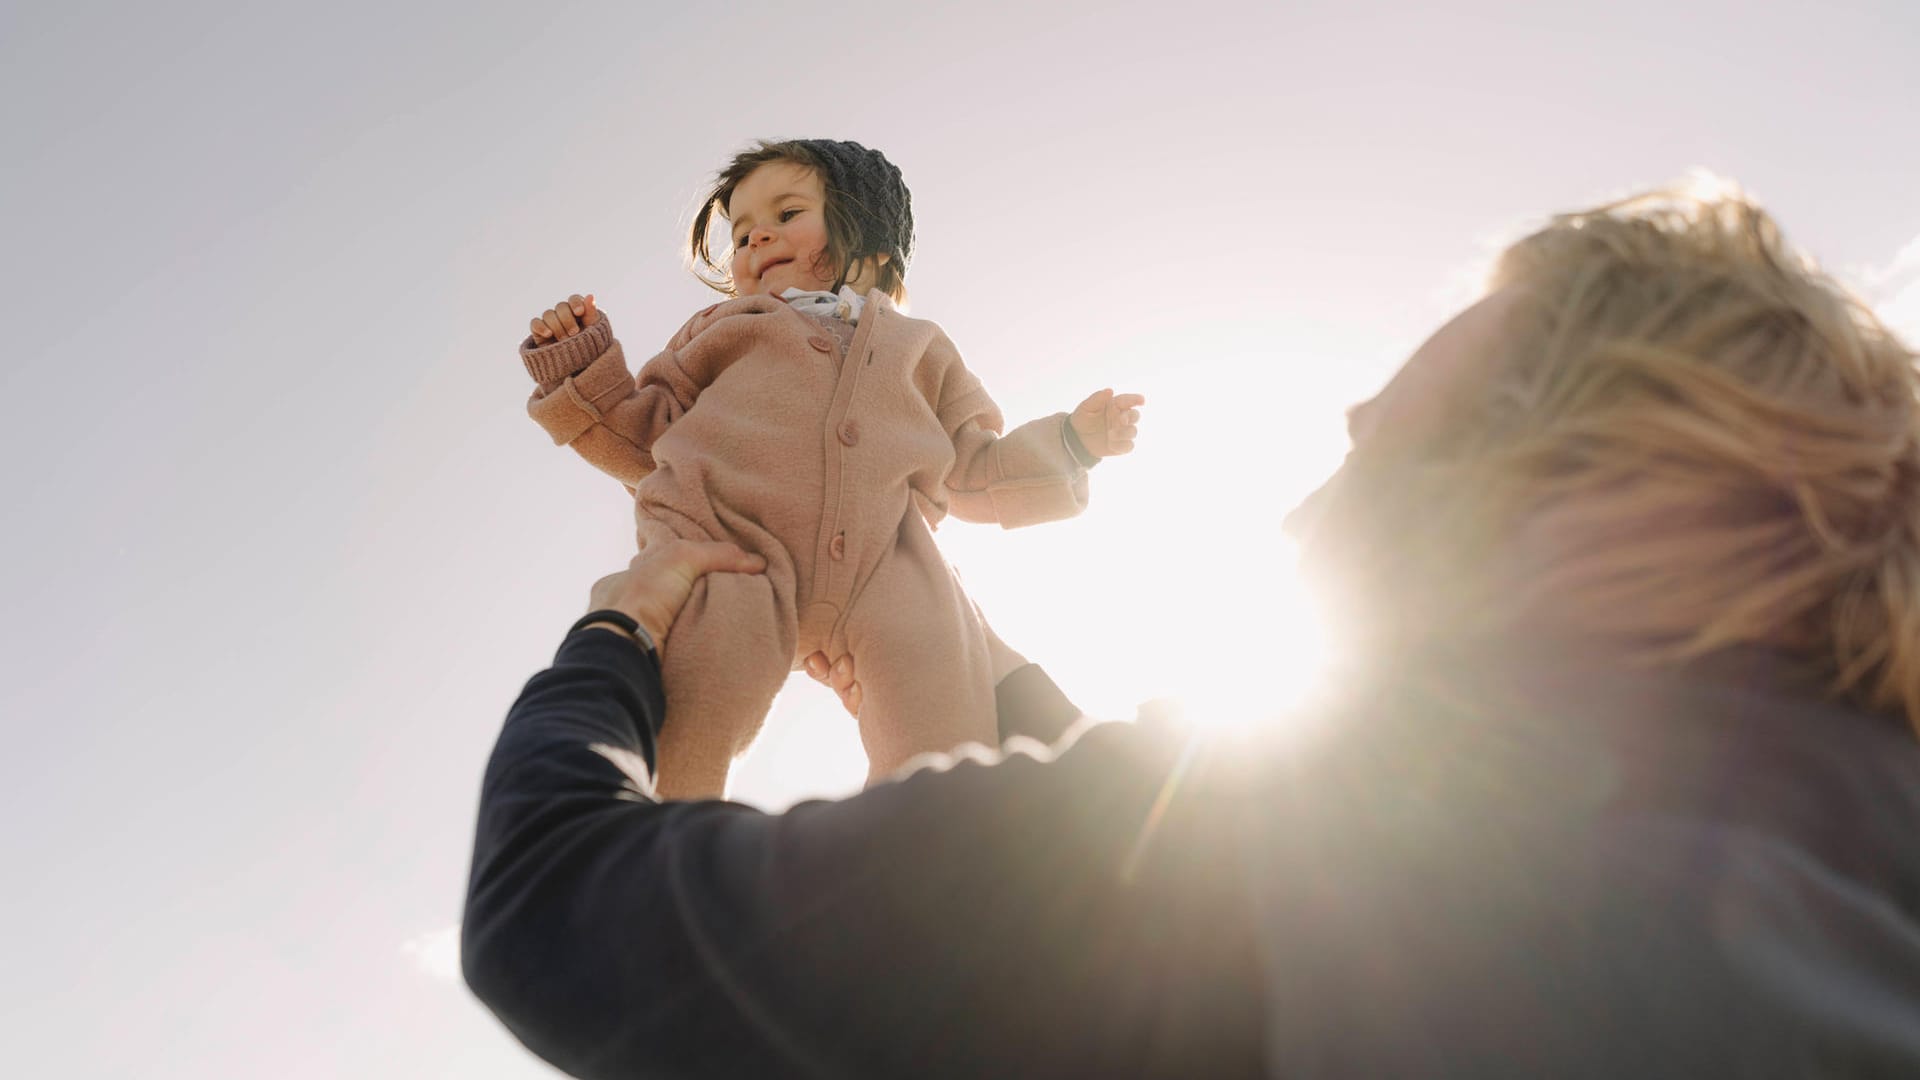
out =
column 620, row 619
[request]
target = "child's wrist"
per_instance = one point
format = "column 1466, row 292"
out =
column 1076, row 447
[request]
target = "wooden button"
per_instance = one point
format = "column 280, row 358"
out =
column 820, row 343
column 838, row 548
column 850, row 434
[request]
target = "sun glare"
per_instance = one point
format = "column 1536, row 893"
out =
column 1267, row 658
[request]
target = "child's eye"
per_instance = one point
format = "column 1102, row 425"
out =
column 789, row 215
column 740, row 241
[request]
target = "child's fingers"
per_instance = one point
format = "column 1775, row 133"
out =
column 566, row 318
column 1096, row 400
column 1129, row 401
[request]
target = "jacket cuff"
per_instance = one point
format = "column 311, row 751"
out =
column 549, row 364
column 568, row 409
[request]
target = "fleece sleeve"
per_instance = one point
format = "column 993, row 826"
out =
column 1032, row 916
column 587, row 399
column 1024, row 477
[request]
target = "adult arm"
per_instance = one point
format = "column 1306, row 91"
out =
column 1033, row 916
column 1031, row 706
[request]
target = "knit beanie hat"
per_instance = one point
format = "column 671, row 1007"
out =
column 877, row 199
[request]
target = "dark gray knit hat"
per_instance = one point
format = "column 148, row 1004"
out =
column 878, row 202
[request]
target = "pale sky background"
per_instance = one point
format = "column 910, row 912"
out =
column 283, row 545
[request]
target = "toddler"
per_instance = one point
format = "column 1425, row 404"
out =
column 809, row 421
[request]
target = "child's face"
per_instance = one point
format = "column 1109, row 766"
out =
column 779, row 231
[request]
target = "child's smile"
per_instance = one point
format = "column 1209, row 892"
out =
column 779, row 231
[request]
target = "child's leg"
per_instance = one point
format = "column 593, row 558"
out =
column 921, row 655
column 726, row 656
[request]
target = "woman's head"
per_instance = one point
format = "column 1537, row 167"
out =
column 1664, row 432
column 805, row 213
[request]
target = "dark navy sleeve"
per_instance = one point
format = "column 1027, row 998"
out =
column 1030, row 705
column 1078, row 914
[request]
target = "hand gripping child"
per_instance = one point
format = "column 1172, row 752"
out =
column 811, row 422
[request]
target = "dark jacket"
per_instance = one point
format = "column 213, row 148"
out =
column 1577, row 874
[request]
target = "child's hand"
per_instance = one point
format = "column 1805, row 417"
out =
column 1106, row 422
column 565, row 319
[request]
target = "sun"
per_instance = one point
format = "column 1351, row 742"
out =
column 1268, row 654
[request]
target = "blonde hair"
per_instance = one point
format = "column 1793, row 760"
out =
column 1683, row 437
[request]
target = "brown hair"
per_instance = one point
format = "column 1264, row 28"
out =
column 839, row 256
column 1684, row 436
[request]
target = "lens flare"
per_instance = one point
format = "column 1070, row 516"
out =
column 1265, row 658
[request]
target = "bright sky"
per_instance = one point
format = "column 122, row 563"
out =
column 284, row 545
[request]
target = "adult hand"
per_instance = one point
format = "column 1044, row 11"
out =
column 1107, row 423
column 656, row 584
column 565, row 319
column 838, row 674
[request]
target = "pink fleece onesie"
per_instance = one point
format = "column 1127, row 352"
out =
column 754, row 425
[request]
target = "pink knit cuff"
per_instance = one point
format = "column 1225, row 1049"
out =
column 549, row 364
